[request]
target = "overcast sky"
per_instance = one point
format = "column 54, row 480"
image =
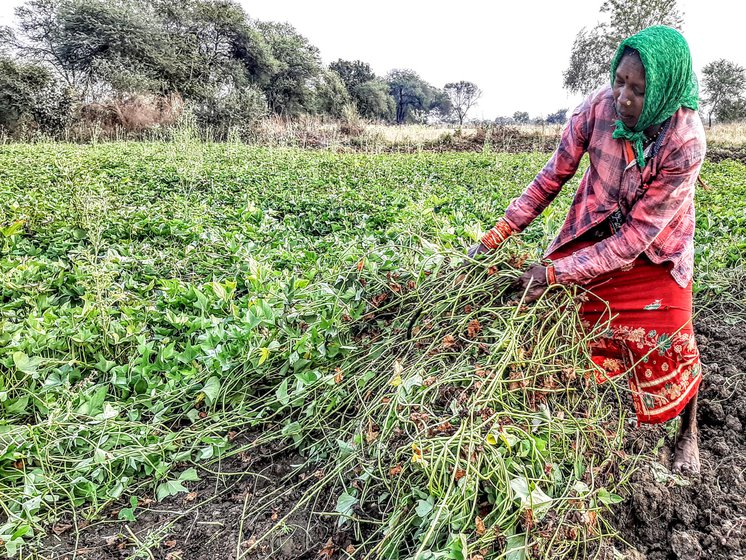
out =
column 515, row 51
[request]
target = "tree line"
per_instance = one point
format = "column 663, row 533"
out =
column 138, row 63
column 230, row 69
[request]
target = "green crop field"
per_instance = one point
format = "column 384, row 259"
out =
column 171, row 312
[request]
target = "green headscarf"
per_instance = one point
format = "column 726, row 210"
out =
column 670, row 82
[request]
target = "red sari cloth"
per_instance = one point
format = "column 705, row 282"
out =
column 650, row 334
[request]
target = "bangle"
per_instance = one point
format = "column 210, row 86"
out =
column 551, row 275
column 497, row 234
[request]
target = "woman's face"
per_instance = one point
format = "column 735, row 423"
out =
column 629, row 89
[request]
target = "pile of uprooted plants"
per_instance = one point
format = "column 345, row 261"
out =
column 461, row 424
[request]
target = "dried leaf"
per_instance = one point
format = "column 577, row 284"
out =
column 60, row 528
column 445, row 427
column 479, row 523
column 395, row 470
column 473, row 328
column 372, row 434
column 449, row 341
column 328, row 551
column 419, row 417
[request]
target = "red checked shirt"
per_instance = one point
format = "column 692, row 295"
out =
column 659, row 223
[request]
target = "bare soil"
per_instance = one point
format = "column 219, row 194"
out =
column 719, row 153
column 702, row 517
column 211, row 522
column 663, row 518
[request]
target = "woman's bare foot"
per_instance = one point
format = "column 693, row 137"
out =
column 686, row 455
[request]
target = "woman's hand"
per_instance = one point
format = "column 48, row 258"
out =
column 535, row 281
column 492, row 239
column 477, row 249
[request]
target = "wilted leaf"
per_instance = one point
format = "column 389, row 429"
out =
column 327, row 552
column 345, row 505
column 424, row 507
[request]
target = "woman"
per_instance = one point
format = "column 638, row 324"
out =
column 628, row 237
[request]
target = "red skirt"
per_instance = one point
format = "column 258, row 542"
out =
column 650, row 335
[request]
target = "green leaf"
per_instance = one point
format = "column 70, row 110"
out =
column 345, row 503
column 26, row 365
column 292, row 429
column 607, row 498
column 126, row 514
column 169, row 488
column 189, row 475
column 424, row 507
column 219, row 290
column 515, row 547
column 282, row 393
column 534, row 499
column 211, row 389
column 345, row 449
column 16, row 407
column 12, row 229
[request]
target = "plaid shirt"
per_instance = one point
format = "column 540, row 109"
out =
column 657, row 202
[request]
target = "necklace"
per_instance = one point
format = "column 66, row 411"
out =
column 654, row 137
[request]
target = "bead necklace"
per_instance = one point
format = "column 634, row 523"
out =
column 653, row 138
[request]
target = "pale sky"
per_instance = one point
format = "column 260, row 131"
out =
column 515, row 51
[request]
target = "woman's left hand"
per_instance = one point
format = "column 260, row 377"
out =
column 535, row 279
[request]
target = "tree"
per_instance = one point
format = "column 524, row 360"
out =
column 560, row 117
column 298, row 62
column 521, row 117
column 331, row 94
column 732, row 110
column 374, row 101
column 369, row 94
column 353, row 73
column 29, row 94
column 197, row 48
column 463, row 96
column 440, row 107
column 412, row 95
column 593, row 49
column 723, row 83
column 74, row 37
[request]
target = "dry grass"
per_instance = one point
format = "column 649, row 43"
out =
column 421, row 134
column 729, row 134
